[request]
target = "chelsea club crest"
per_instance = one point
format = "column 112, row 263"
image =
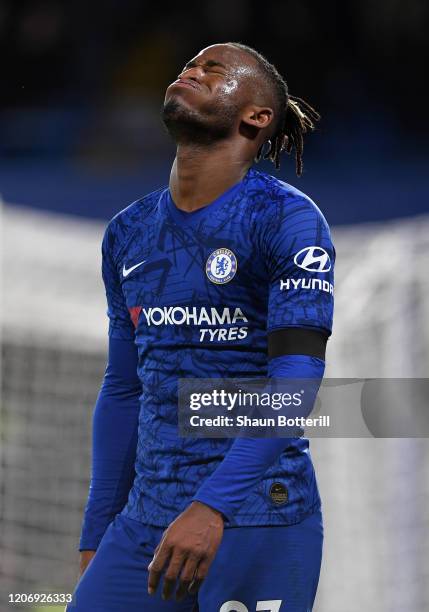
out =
column 221, row 266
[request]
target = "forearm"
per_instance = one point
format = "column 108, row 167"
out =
column 249, row 458
column 115, row 424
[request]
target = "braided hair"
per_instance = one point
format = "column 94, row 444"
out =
column 295, row 117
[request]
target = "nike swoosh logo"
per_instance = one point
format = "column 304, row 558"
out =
column 126, row 271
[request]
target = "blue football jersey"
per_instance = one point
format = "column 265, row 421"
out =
column 199, row 292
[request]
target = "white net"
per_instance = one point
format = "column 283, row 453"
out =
column 375, row 492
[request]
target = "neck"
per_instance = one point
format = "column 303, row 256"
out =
column 200, row 174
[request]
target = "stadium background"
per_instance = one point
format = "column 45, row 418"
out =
column 80, row 138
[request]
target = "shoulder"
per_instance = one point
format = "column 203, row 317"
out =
column 131, row 219
column 277, row 201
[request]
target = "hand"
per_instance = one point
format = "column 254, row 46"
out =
column 187, row 548
column 85, row 558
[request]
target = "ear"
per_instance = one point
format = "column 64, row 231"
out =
column 258, row 116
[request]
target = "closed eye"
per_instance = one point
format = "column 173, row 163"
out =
column 208, row 66
column 215, row 72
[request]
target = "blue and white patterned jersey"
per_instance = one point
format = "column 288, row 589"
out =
column 199, row 292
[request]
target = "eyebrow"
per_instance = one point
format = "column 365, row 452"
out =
column 209, row 63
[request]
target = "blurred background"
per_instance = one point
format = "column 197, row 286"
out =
column 80, row 138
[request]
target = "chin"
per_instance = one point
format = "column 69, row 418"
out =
column 186, row 124
column 176, row 109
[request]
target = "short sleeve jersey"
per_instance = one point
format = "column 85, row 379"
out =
column 199, row 293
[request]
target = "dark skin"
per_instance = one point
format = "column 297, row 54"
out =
column 186, row 551
column 201, row 172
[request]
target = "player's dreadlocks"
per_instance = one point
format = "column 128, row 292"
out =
column 295, row 117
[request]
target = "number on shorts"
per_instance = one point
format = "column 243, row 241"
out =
column 271, row 605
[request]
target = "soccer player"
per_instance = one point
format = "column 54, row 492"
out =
column 226, row 271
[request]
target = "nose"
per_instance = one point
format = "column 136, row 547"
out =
column 195, row 73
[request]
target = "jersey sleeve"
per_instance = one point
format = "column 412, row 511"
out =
column 114, row 442
column 248, row 459
column 299, row 257
column 120, row 323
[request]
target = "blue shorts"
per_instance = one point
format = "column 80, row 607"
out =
column 256, row 568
